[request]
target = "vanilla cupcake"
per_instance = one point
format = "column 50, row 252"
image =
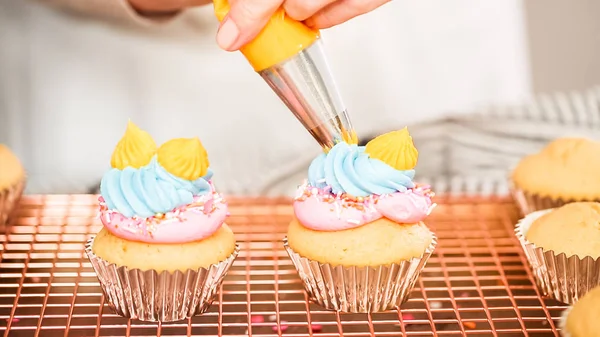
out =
column 164, row 248
column 12, row 182
column 357, row 238
column 566, row 170
column 581, row 320
column 563, row 248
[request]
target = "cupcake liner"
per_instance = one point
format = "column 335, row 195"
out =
column 563, row 278
column 359, row 289
column 153, row 296
column 9, row 198
column 531, row 202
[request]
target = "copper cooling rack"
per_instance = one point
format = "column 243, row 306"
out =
column 476, row 283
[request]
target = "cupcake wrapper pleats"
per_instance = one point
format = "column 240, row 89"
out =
column 163, row 297
column 359, row 289
column 530, row 202
column 9, row 198
column 563, row 278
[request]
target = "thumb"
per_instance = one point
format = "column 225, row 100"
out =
column 245, row 20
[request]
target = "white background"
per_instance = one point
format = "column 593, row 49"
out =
column 68, row 85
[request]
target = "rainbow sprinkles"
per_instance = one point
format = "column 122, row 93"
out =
column 160, row 194
column 352, row 185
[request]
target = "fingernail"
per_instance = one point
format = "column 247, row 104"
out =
column 310, row 22
column 228, row 34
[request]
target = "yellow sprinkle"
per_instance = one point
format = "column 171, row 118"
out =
column 184, row 157
column 394, row 148
column 135, row 149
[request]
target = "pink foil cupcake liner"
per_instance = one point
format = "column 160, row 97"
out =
column 9, row 198
column 158, row 297
column 558, row 276
column 359, row 289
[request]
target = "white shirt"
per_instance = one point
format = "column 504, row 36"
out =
column 69, row 83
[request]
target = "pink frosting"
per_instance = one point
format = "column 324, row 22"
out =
column 193, row 222
column 320, row 210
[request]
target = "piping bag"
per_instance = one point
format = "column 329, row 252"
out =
column 289, row 56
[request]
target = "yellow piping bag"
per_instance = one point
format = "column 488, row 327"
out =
column 289, row 56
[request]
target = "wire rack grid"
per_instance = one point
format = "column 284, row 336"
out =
column 476, row 283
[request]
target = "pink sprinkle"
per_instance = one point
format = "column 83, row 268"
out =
column 15, row 320
column 408, row 317
column 316, row 327
column 464, row 294
column 257, row 319
column 283, row 326
column 35, row 279
column 207, row 208
column 228, row 214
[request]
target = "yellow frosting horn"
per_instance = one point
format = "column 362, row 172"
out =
column 184, row 158
column 395, row 148
column 282, row 38
column 135, row 149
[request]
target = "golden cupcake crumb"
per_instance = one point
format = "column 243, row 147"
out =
column 573, row 229
column 164, row 256
column 11, row 170
column 381, row 242
column 567, row 168
column 582, row 320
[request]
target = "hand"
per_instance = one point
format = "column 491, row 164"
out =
column 248, row 17
column 154, row 7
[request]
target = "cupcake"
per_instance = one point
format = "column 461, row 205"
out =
column 581, row 320
column 563, row 248
column 357, row 238
column 566, row 170
column 164, row 248
column 12, row 182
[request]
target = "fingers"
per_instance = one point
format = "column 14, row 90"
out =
column 245, row 20
column 301, row 10
column 342, row 11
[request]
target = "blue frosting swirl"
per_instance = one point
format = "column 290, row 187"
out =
column 149, row 190
column 348, row 169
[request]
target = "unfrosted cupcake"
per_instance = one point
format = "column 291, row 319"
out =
column 164, row 248
column 357, row 238
column 563, row 248
column 12, row 182
column 582, row 320
column 566, row 170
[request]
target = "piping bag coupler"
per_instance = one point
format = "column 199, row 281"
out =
column 289, row 56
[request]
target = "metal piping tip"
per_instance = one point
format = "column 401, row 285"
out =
column 305, row 84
